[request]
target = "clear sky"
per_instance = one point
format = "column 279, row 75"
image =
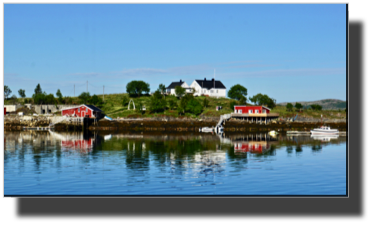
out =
column 290, row 52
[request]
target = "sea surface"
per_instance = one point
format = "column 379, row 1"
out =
column 160, row 164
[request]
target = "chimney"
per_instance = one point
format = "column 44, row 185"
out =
column 180, row 80
column 205, row 79
column 213, row 81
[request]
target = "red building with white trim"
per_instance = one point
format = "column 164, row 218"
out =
column 255, row 109
column 82, row 111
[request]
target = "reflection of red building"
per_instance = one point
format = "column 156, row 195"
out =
column 83, row 145
column 251, row 147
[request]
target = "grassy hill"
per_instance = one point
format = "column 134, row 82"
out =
column 113, row 107
column 327, row 104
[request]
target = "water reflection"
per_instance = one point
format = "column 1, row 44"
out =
column 125, row 160
column 171, row 150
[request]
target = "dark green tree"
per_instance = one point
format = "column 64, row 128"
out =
column 21, row 92
column 193, row 106
column 7, row 92
column 316, row 107
column 172, row 103
column 137, row 88
column 157, row 103
column 38, row 90
column 95, row 100
column 84, row 97
column 59, row 95
column 49, row 99
column 14, row 99
column 265, row 100
column 237, row 92
column 162, row 88
column 289, row 107
column 298, row 106
column 179, row 91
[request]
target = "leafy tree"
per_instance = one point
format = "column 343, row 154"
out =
column 237, row 92
column 289, row 107
column 39, row 98
column 193, row 106
column 137, row 87
column 59, row 95
column 95, row 100
column 14, row 99
column 242, row 100
column 49, row 99
column 261, row 99
column 179, row 91
column 316, row 107
column 157, row 102
column 298, row 106
column 7, row 91
column 21, row 92
column 205, row 102
column 38, row 90
column 84, row 97
column 162, row 88
column 172, row 103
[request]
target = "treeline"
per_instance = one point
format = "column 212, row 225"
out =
column 239, row 93
column 299, row 107
column 41, row 97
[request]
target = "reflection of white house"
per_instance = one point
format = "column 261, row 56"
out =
column 171, row 88
column 212, row 88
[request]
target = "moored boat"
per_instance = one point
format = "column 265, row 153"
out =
column 324, row 130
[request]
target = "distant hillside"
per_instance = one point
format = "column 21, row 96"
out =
column 328, row 104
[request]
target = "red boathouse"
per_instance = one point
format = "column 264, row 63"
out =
column 255, row 109
column 82, row 111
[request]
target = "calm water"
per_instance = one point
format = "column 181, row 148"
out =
column 60, row 163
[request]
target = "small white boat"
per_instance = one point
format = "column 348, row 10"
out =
column 206, row 129
column 324, row 130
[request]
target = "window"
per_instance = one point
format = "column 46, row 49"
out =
column 256, row 111
column 212, row 91
column 264, row 111
column 78, row 110
column 240, row 111
column 250, row 111
column 216, row 91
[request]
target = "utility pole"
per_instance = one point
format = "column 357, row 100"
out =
column 103, row 94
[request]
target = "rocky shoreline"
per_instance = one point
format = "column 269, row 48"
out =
column 169, row 124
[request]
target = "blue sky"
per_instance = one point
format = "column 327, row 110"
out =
column 290, row 52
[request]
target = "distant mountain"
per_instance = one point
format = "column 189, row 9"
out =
column 328, row 104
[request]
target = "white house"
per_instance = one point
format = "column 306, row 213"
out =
column 170, row 90
column 212, row 88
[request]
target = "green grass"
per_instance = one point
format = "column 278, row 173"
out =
column 114, row 108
